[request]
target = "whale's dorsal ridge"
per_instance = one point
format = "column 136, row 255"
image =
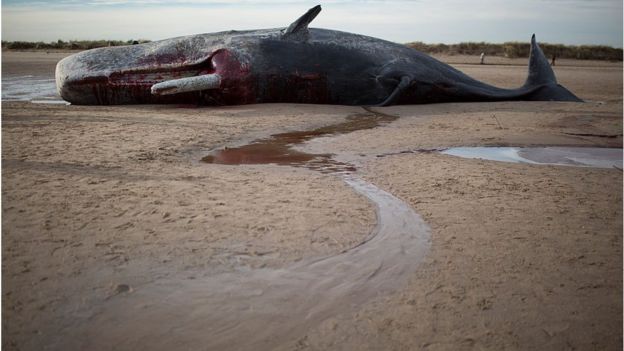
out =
column 299, row 27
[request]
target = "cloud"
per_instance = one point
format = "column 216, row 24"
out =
column 449, row 21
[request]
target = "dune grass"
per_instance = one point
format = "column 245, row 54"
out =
column 509, row 49
column 67, row 45
column 516, row 49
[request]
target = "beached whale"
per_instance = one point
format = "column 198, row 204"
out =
column 296, row 64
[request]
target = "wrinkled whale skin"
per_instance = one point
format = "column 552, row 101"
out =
column 299, row 65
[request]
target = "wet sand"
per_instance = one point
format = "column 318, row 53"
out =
column 101, row 204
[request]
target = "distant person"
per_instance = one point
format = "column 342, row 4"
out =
column 482, row 59
column 554, row 57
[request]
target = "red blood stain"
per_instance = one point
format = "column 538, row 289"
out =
column 237, row 83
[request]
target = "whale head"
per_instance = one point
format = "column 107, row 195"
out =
column 200, row 68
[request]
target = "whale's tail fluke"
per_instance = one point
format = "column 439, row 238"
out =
column 541, row 80
column 540, row 71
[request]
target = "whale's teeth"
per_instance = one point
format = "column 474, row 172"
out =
column 182, row 85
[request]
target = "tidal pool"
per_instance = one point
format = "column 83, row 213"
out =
column 562, row 156
column 278, row 148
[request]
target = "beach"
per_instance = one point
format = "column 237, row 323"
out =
column 101, row 204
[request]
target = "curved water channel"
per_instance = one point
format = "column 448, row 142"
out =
column 265, row 308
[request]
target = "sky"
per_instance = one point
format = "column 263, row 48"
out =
column 575, row 22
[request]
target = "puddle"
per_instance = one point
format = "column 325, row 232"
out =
column 561, row 156
column 263, row 308
column 278, row 148
column 37, row 89
column 51, row 102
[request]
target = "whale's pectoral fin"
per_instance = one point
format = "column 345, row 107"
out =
column 299, row 28
column 396, row 94
column 183, row 85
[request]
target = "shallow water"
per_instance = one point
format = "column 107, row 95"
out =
column 37, row 89
column 561, row 156
column 278, row 148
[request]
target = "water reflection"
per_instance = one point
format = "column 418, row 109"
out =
column 563, row 156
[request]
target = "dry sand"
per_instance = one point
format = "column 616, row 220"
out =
column 99, row 202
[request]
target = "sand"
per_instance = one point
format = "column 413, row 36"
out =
column 102, row 202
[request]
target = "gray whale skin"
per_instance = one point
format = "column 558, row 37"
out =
column 296, row 64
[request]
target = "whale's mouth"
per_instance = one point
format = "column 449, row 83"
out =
column 147, row 77
column 151, row 77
